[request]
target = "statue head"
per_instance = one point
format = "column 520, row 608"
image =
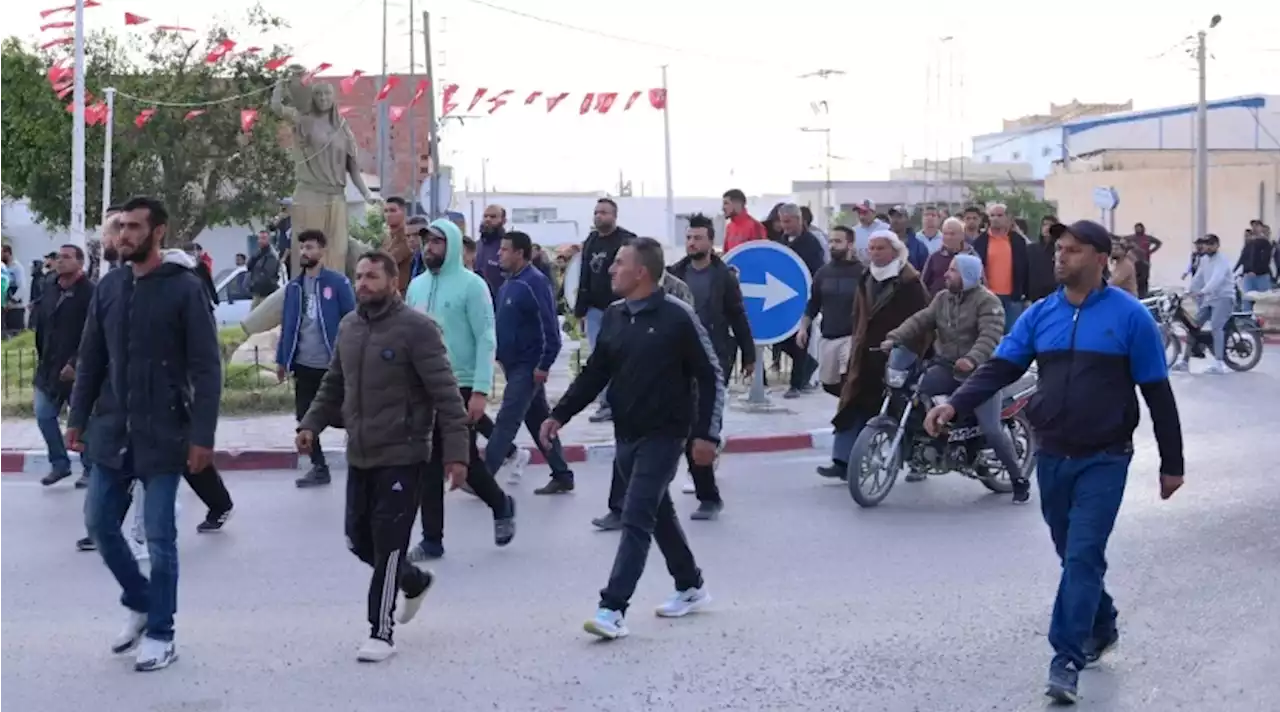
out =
column 322, row 98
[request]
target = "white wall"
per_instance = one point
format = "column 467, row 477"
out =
column 1039, row 148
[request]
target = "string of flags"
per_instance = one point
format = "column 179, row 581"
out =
column 62, row 80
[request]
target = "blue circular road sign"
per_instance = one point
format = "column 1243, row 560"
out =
column 775, row 288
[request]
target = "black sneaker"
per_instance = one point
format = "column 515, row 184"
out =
column 82, row 482
column 913, row 476
column 1021, row 491
column 425, row 551
column 608, row 523
column 85, row 544
column 213, row 521
column 834, row 471
column 315, row 477
column 504, row 528
column 1097, row 646
column 707, row 511
column 556, row 486
column 792, row 393
column 1063, row 681
column 54, row 477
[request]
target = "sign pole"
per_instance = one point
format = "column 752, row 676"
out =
column 757, row 395
column 77, row 134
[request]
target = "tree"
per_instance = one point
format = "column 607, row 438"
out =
column 1021, row 203
column 204, row 168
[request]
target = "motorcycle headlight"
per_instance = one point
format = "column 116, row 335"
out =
column 941, row 400
column 894, row 378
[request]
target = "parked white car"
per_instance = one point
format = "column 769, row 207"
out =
column 234, row 300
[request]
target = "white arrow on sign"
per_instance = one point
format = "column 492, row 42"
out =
column 774, row 291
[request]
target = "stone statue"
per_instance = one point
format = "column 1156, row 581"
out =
column 325, row 155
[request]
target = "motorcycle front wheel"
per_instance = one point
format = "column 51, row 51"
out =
column 1243, row 349
column 1018, row 429
column 873, row 465
column 1172, row 344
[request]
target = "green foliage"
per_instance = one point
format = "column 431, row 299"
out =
column 206, row 170
column 371, row 229
column 1021, row 203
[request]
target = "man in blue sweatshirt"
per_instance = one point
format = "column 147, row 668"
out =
column 528, row 344
column 314, row 303
column 1094, row 344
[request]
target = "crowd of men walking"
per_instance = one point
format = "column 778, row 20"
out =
column 403, row 361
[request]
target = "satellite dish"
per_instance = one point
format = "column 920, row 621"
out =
column 572, row 273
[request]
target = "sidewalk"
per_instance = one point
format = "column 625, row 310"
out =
column 266, row 442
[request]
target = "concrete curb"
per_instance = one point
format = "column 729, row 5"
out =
column 37, row 461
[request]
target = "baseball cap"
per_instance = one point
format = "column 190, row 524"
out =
column 865, row 205
column 899, row 210
column 1086, row 231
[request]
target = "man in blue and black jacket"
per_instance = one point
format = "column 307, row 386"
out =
column 1093, row 344
column 314, row 303
column 528, row 332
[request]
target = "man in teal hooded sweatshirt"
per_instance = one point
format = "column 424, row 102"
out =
column 459, row 302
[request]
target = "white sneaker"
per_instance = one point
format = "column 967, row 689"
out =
column 375, row 650
column 682, row 603
column 688, row 487
column 155, row 655
column 131, row 634
column 1180, row 367
column 515, row 465
column 1217, row 368
column 607, row 624
column 409, row 606
column 140, row 550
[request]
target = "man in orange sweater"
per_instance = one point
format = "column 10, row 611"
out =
column 739, row 227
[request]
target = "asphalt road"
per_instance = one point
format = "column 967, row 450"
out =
column 938, row 600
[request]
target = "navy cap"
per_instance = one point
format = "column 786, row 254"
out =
column 1086, row 231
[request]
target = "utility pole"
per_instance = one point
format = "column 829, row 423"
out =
column 825, row 203
column 433, row 124
column 670, row 237
column 413, row 124
column 383, row 114
column 828, row 197
column 1202, row 134
column 951, row 105
column 77, row 135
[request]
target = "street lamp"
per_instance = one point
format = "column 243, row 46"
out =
column 1202, row 135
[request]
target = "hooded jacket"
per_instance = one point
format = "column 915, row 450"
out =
column 459, row 302
column 968, row 324
column 149, row 359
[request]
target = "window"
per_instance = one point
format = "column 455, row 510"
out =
column 532, row 215
column 235, row 290
column 1044, row 152
column 1015, row 156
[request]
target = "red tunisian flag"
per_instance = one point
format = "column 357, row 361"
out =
column 630, row 102
column 658, row 98
column 221, row 50
column 192, row 114
column 60, row 41
column 533, row 96
column 392, row 82
column 132, row 19
column 349, row 84
column 446, row 102
column 587, row 101
column 605, row 100
column 143, row 117
column 312, row 74
column 247, row 119
column 499, row 100
column 396, row 113
column 67, row 8
column 419, row 92
column 56, row 26
column 476, row 99
column 554, row 101
column 278, row 62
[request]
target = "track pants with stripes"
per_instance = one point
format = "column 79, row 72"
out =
column 382, row 504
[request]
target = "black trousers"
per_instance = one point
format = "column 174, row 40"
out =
column 802, row 364
column 209, row 487
column 306, row 383
column 381, row 503
column 478, row 478
column 484, row 426
column 704, row 482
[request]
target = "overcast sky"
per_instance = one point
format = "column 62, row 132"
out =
column 736, row 102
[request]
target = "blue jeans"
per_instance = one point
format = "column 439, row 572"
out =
column 48, row 407
column 1254, row 283
column 594, row 317
column 105, row 506
column 1079, row 498
column 647, row 466
column 1219, row 313
column 842, row 441
column 523, row 400
column 1012, row 310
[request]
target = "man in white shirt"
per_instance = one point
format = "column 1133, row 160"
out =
column 1214, row 286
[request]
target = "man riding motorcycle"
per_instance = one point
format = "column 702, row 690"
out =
column 967, row 321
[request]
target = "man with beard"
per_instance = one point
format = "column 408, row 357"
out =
column 717, row 300
column 391, row 387
column 314, row 304
column 528, row 345
column 1214, row 290
column 1040, row 256
column 740, row 227
column 890, row 292
column 149, row 361
column 934, row 275
column 668, row 389
column 1004, row 254
column 396, row 242
column 835, row 286
column 458, row 301
column 488, row 264
column 966, row 322
column 595, row 290
column 1094, row 345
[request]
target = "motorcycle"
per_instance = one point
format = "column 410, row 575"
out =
column 896, row 437
column 1242, row 334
